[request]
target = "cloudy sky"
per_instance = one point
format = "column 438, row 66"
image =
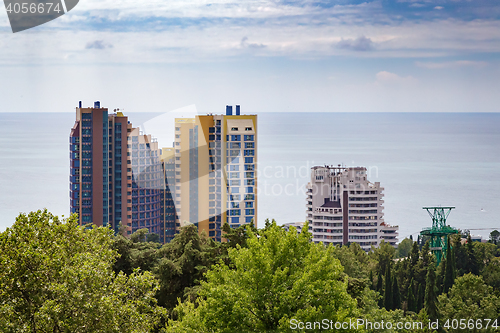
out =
column 268, row 55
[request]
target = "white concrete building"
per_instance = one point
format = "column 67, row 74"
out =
column 298, row 226
column 344, row 207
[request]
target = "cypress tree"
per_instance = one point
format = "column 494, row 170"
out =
column 388, row 288
column 396, row 296
column 420, row 297
column 449, row 271
column 430, row 304
column 472, row 265
column 413, row 256
column 371, row 280
column 411, row 298
column 440, row 276
column 460, row 253
column 380, row 289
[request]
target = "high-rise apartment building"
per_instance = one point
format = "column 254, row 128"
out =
column 117, row 174
column 344, row 207
column 215, row 170
column 121, row 175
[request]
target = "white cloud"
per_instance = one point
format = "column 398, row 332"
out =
column 451, row 64
column 388, row 78
column 201, row 31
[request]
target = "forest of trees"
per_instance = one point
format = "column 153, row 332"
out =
column 56, row 276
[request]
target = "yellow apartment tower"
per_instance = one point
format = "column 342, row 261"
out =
column 215, row 171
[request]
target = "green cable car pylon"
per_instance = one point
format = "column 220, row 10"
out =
column 439, row 231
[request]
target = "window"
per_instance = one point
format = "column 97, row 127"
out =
column 249, row 152
column 249, row 197
column 177, row 128
column 235, row 190
column 234, row 128
column 249, row 145
column 249, row 189
column 249, row 204
column 249, row 211
column 234, row 168
column 248, row 128
column 249, row 167
column 235, row 137
column 235, row 182
column 235, row 197
column 249, row 181
column 249, row 174
column 248, row 219
column 249, row 138
column 234, row 212
column 211, row 130
column 211, row 137
column 248, row 159
column 234, row 175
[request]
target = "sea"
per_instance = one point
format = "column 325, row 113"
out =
column 420, row 159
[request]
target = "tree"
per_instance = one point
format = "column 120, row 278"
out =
column 441, row 273
column 383, row 256
column 388, row 289
column 461, row 256
column 470, row 297
column 449, row 273
column 494, row 236
column 404, row 248
column 396, row 296
column 135, row 254
column 472, row 264
column 182, row 264
column 431, row 300
column 380, row 289
column 420, row 297
column 56, row 276
column 237, row 236
column 280, row 276
column 411, row 301
column 491, row 274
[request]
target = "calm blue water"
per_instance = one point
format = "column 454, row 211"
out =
column 420, row 159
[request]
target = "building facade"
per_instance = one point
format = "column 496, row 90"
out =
column 117, row 174
column 344, row 207
column 120, row 177
column 215, row 171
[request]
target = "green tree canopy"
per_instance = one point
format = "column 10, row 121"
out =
column 182, row 263
column 56, row 276
column 281, row 276
column 470, row 298
column 404, row 248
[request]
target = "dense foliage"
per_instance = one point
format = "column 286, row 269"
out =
column 56, row 276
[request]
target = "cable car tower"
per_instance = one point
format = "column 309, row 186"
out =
column 439, row 231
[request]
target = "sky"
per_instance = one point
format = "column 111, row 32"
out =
column 269, row 55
